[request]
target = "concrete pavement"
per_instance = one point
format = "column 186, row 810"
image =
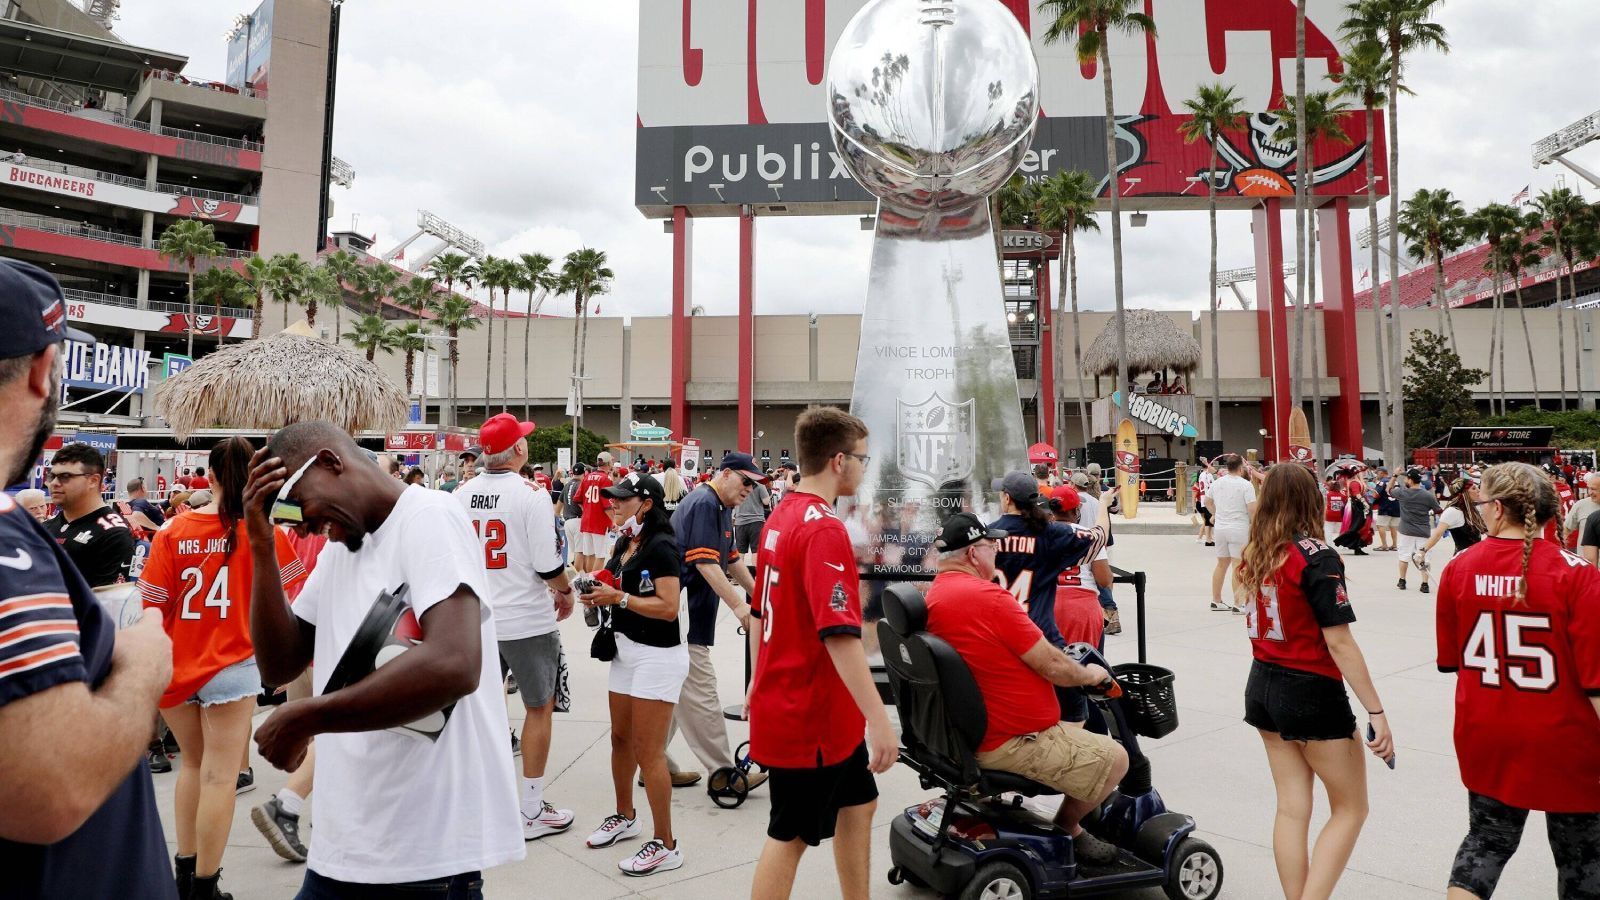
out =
column 1213, row 767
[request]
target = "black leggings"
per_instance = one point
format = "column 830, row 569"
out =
column 1493, row 832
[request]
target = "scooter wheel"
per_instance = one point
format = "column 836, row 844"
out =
column 998, row 881
column 729, row 787
column 896, row 876
column 1195, row 873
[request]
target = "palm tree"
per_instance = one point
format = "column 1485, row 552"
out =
column 1088, row 24
column 1497, row 224
column 318, row 286
column 187, row 241
column 1069, row 207
column 1519, row 253
column 1323, row 121
column 495, row 274
column 374, row 283
column 1560, row 210
column 349, row 270
column 585, row 275
column 454, row 313
column 286, row 276
column 371, row 333
column 1213, row 109
column 537, row 278
column 1585, row 245
column 1365, row 78
column 411, row 338
column 1434, row 224
column 451, row 268
column 222, row 286
column 1402, row 27
column 258, row 276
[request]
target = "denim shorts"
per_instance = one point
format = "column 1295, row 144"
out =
column 236, row 682
column 1298, row 706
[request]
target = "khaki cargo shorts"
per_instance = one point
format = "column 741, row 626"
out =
column 1073, row 761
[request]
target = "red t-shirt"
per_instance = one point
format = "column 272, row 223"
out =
column 1334, row 510
column 1526, row 733
column 595, row 520
column 1078, row 615
column 542, row 480
column 1564, row 492
column 991, row 631
column 1286, row 618
column 204, row 596
column 199, row 483
column 801, row 714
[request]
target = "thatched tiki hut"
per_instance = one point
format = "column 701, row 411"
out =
column 288, row 377
column 1155, row 344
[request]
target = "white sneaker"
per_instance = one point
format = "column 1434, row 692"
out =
column 549, row 821
column 653, row 857
column 614, row 828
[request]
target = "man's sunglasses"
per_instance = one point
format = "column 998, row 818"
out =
column 748, row 481
column 65, row 477
column 284, row 509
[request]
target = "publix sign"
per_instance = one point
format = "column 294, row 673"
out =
column 1157, row 415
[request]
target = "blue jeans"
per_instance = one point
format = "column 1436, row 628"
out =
column 1106, row 600
column 466, row 886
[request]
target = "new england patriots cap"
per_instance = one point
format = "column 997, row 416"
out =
column 34, row 310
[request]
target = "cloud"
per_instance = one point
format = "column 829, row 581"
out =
column 515, row 121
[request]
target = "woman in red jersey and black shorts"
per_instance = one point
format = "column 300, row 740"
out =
column 1519, row 625
column 1292, row 589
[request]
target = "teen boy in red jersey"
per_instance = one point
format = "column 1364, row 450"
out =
column 813, row 695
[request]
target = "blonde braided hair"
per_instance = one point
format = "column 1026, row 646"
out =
column 1529, row 499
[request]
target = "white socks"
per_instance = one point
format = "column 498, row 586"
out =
column 532, row 796
column 290, row 801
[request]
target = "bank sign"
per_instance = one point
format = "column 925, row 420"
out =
column 1151, row 411
column 732, row 100
column 106, row 367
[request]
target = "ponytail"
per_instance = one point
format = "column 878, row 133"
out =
column 1034, row 515
column 230, row 469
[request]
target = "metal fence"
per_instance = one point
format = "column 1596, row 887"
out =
column 162, row 187
column 119, row 119
column 85, row 230
column 76, row 295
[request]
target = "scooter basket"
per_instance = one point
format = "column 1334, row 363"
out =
column 1148, row 699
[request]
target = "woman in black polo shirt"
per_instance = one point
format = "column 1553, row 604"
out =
column 648, row 671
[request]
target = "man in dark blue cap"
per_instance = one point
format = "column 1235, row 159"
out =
column 77, row 697
column 703, row 522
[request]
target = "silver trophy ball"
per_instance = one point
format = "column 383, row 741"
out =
column 932, row 105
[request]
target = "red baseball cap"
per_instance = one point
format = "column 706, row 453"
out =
column 502, row 432
column 1064, row 497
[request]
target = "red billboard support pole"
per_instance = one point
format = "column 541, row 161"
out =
column 682, row 304
column 747, row 329
column 1047, row 359
column 1339, row 327
column 1272, row 324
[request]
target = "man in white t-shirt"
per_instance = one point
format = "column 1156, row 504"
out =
column 1232, row 501
column 397, row 813
column 516, row 521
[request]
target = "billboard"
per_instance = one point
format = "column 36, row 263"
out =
column 250, row 49
column 731, row 106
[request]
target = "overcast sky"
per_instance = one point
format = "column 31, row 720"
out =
column 515, row 121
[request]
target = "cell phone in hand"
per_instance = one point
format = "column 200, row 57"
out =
column 1372, row 735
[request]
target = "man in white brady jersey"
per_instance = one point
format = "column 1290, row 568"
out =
column 522, row 543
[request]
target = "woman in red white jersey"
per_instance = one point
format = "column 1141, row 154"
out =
column 1292, row 588
column 1519, row 625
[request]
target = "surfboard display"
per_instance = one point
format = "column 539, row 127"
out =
column 1126, row 450
column 1299, row 437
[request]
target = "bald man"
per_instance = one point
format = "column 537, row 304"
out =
column 439, row 815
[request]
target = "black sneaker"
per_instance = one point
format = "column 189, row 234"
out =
column 280, row 829
column 246, row 782
column 1424, row 587
column 511, row 684
column 1359, row 552
column 1401, row 584
column 160, row 763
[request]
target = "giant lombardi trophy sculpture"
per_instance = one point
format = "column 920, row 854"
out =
column 932, row 106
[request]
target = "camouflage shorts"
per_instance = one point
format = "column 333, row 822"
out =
column 1494, row 830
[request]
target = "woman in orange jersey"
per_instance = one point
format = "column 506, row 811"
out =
column 198, row 575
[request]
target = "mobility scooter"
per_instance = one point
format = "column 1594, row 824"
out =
column 973, row 843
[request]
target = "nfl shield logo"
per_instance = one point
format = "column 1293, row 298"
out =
column 935, row 441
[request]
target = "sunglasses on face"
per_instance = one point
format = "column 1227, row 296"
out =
column 284, row 509
column 65, row 477
column 748, row 481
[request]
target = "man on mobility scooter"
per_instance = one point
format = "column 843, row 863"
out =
column 979, row 716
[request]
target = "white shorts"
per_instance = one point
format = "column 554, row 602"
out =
column 1331, row 530
column 649, row 673
column 1230, row 541
column 1381, row 521
column 571, row 527
column 1409, row 544
column 593, row 544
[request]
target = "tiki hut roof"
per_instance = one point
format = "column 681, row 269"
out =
column 289, row 377
column 1155, row 342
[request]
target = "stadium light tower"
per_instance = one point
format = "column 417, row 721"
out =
column 1556, row 147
